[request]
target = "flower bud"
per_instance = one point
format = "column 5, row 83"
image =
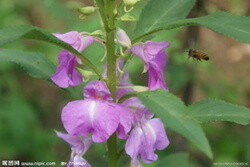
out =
column 97, row 33
column 130, row 2
column 87, row 10
column 140, row 88
column 123, row 39
column 127, row 17
column 85, row 73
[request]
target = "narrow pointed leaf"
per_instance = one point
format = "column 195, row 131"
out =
column 217, row 110
column 157, row 13
column 236, row 27
column 171, row 110
column 36, row 64
column 11, row 34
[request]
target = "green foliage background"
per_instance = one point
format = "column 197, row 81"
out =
column 30, row 108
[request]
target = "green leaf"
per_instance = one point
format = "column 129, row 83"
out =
column 11, row 34
column 36, row 64
column 171, row 110
column 218, row 110
column 236, row 27
column 157, row 13
column 174, row 160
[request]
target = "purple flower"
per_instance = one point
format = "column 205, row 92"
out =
column 65, row 74
column 99, row 118
column 154, row 56
column 98, row 90
column 79, row 145
column 125, row 123
column 148, row 134
column 78, row 41
column 146, row 137
column 96, row 115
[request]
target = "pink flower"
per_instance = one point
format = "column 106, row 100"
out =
column 146, row 137
column 96, row 115
column 79, row 146
column 154, row 57
column 78, row 41
column 66, row 75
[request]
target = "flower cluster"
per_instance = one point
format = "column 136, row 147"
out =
column 98, row 116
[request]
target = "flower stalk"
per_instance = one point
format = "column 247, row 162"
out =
column 108, row 18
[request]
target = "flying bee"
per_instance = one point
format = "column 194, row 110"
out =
column 197, row 55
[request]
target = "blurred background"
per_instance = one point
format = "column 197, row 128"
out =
column 30, row 108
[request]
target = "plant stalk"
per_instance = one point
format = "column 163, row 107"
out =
column 107, row 14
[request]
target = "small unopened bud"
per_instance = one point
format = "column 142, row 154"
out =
column 85, row 73
column 130, row 2
column 135, row 88
column 97, row 33
column 127, row 17
column 123, row 39
column 140, row 88
column 87, row 10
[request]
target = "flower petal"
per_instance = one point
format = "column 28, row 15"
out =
column 85, row 41
column 71, row 139
column 76, row 40
column 138, row 50
column 69, row 37
column 79, row 144
column 161, row 137
column 91, row 116
column 153, row 48
column 134, row 144
column 65, row 74
column 144, row 139
column 97, row 90
column 125, row 123
column 76, row 78
column 78, row 161
column 156, row 77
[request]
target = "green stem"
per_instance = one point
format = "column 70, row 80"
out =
column 112, row 151
column 110, row 46
column 107, row 14
column 111, row 63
